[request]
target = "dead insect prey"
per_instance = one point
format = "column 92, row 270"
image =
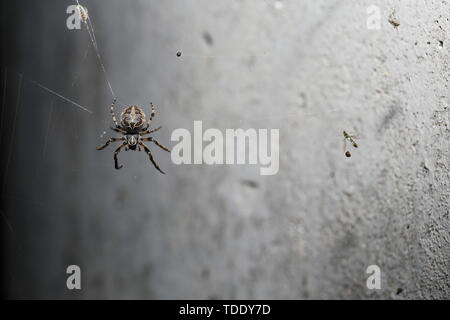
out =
column 393, row 20
column 83, row 13
column 351, row 139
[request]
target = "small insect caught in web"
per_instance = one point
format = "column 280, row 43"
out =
column 350, row 138
column 83, row 13
column 393, row 20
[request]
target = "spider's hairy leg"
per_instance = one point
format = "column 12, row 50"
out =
column 156, row 142
column 118, row 129
column 116, row 164
column 109, row 141
column 149, row 131
column 147, row 150
column 145, row 128
column 112, row 113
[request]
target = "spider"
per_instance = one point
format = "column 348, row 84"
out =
column 134, row 127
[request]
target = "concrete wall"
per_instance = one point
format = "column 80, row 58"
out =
column 309, row 68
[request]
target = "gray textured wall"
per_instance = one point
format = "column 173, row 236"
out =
column 309, row 68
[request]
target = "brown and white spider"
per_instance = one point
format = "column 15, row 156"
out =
column 134, row 127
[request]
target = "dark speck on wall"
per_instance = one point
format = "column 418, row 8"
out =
column 250, row 183
column 208, row 38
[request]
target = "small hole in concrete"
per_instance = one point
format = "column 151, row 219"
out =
column 208, row 38
column 250, row 184
column 399, row 290
column 205, row 273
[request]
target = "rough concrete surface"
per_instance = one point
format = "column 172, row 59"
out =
column 309, row 68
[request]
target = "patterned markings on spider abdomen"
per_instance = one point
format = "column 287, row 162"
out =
column 133, row 117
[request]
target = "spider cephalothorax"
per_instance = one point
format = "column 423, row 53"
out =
column 134, row 126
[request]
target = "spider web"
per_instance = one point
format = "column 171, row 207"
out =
column 9, row 147
column 90, row 29
column 93, row 45
column 88, row 25
column 9, row 74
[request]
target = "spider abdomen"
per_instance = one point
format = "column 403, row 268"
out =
column 132, row 118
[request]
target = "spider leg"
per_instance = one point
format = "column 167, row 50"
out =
column 156, row 142
column 149, row 121
column 146, row 128
column 109, row 141
column 147, row 150
column 118, row 129
column 149, row 131
column 112, row 113
column 116, row 164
